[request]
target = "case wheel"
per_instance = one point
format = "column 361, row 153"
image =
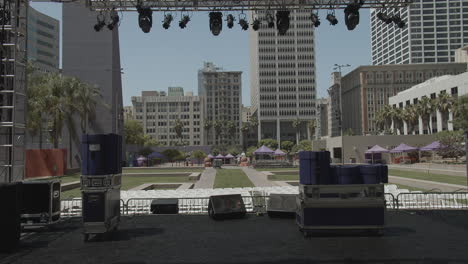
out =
column 85, row 237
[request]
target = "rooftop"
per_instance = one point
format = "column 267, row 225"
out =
column 410, row 237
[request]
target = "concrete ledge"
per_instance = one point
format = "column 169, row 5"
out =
column 288, row 172
column 163, row 168
column 70, row 186
column 435, row 170
column 194, row 176
column 162, row 186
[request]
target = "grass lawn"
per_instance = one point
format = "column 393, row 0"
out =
column 284, row 177
column 277, row 169
column 162, row 170
column 428, row 176
column 129, row 182
column 231, row 178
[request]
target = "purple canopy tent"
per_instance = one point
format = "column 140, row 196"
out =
column 229, row 156
column 141, row 161
column 431, row 147
column 403, row 148
column 376, row 149
column 263, row 150
column 219, row 156
column 210, row 156
column 278, row 152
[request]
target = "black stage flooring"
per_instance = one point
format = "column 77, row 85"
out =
column 416, row 237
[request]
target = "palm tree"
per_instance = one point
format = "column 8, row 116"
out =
column 425, row 108
column 244, row 130
column 444, row 104
column 297, row 125
column 379, row 120
column 179, row 128
column 218, row 127
column 411, row 118
column 207, row 125
column 231, row 128
column 36, row 105
column 398, row 120
column 386, row 115
column 311, row 126
column 56, row 106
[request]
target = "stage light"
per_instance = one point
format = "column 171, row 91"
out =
column 270, row 20
column 184, row 21
column 352, row 15
column 315, row 19
column 230, row 20
column 114, row 20
column 282, row 21
column 216, row 22
column 256, row 24
column 396, row 19
column 145, row 18
column 401, row 24
column 167, row 21
column 332, row 19
column 99, row 25
column 244, row 24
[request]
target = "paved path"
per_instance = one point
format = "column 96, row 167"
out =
column 428, row 185
column 257, row 178
column 207, row 179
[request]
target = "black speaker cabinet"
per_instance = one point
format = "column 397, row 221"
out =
column 10, row 224
column 41, row 202
column 165, row 206
column 226, row 207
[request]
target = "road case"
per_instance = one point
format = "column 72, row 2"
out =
column 101, row 211
column 40, row 202
column 341, row 207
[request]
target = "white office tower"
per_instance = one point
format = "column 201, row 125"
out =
column 282, row 77
column 434, row 30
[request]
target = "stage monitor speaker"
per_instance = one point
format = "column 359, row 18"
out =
column 165, row 206
column 282, row 205
column 226, row 207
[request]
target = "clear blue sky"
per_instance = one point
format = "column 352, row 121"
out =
column 172, row 57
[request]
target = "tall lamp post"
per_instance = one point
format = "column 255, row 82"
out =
column 339, row 67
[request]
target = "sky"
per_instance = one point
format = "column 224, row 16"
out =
column 172, row 57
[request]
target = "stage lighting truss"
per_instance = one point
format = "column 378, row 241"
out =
column 332, row 18
column 243, row 21
column 115, row 19
column 282, row 21
column 167, row 20
column 100, row 22
column 230, row 20
column 235, row 5
column 315, row 18
column 216, row 22
column 184, row 21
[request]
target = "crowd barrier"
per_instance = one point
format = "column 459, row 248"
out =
column 258, row 204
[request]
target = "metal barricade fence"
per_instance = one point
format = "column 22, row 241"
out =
column 432, row 201
column 259, row 203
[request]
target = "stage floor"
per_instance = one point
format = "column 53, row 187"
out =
column 417, row 237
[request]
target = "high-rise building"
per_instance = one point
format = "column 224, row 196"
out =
column 158, row 115
column 43, row 41
column 461, row 54
column 246, row 114
column 434, row 30
column 282, row 77
column 366, row 90
column 175, row 91
column 222, row 92
column 128, row 113
column 321, row 125
column 334, row 105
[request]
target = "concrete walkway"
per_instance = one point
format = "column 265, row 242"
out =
column 206, row 180
column 428, row 185
column 257, row 178
column 432, row 168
